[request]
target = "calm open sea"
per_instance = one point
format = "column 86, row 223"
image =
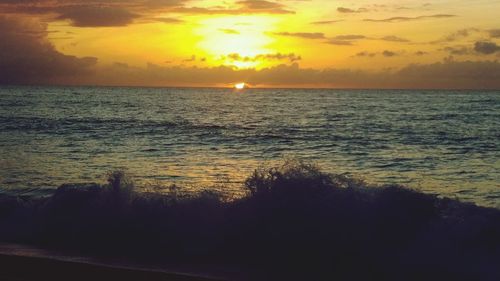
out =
column 445, row 142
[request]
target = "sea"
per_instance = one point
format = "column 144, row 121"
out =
column 441, row 142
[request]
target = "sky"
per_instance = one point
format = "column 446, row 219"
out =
column 280, row 43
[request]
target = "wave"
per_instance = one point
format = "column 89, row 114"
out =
column 295, row 223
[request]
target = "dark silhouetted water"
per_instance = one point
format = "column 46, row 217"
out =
column 445, row 142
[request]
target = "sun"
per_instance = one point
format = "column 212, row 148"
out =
column 240, row 86
column 247, row 38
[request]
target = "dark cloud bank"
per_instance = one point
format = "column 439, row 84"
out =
column 447, row 74
column 26, row 57
column 105, row 13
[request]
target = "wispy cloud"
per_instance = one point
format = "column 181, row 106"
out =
column 494, row 33
column 385, row 53
column 403, row 19
column 457, row 50
column 245, row 7
column 267, row 57
column 392, row 38
column 168, row 20
column 349, row 39
column 229, row 31
column 326, row 22
column 344, row 10
column 306, row 35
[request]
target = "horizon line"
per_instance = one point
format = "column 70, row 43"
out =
column 249, row 88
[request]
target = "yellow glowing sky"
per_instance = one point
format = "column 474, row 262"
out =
column 317, row 34
column 208, row 39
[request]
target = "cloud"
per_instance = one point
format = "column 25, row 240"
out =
column 457, row 50
column 260, row 4
column 142, row 4
column 457, row 35
column 340, row 42
column 344, row 10
column 365, row 54
column 93, row 16
column 93, row 13
column 190, row 59
column 392, row 38
column 385, row 53
column 26, row 56
column 403, row 19
column 389, row 7
column 494, row 33
column 268, row 57
column 168, row 20
column 306, row 35
column 486, row 48
column 246, row 7
column 421, row 53
column 389, row 54
column 348, row 39
column 229, row 31
column 453, row 74
column 345, row 40
column 446, row 74
column 462, row 33
column 326, row 22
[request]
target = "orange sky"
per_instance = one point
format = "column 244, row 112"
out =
column 317, row 43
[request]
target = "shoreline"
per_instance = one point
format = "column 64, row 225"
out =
column 27, row 263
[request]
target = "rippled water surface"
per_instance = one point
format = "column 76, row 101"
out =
column 445, row 142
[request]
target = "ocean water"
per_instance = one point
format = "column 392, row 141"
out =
column 442, row 142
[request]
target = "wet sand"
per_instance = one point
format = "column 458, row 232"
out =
column 23, row 268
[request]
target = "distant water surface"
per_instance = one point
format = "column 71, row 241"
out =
column 444, row 142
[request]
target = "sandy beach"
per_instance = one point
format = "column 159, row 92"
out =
column 27, row 263
column 23, row 268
